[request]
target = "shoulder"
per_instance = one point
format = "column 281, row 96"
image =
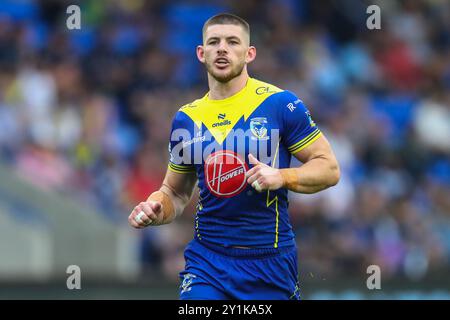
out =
column 186, row 113
column 280, row 95
column 286, row 96
column 262, row 88
column 188, row 107
column 194, row 104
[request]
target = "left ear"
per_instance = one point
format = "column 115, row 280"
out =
column 251, row 54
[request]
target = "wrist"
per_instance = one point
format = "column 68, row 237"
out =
column 289, row 177
column 168, row 211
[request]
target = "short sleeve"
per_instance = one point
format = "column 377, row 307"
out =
column 180, row 160
column 299, row 129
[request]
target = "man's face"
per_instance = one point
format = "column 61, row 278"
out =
column 225, row 51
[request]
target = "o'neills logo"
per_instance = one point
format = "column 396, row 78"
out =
column 223, row 123
column 225, row 173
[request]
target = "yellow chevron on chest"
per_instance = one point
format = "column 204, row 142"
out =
column 221, row 116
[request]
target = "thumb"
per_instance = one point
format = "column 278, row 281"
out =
column 156, row 206
column 252, row 159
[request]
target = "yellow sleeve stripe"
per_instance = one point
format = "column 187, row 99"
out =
column 181, row 166
column 181, row 169
column 305, row 142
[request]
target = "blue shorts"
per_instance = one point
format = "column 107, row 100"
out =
column 219, row 273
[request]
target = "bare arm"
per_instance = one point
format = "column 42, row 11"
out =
column 320, row 170
column 179, row 187
column 164, row 205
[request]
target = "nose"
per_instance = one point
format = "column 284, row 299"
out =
column 222, row 48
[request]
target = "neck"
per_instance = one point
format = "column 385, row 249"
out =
column 220, row 91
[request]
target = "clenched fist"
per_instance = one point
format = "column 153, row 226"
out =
column 145, row 214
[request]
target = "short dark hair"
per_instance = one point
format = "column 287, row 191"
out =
column 226, row 18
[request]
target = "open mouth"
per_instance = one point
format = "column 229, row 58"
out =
column 221, row 63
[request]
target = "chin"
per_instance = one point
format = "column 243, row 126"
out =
column 223, row 77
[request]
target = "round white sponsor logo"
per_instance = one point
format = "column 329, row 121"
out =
column 225, row 173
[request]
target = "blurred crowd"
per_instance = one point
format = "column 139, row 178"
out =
column 88, row 112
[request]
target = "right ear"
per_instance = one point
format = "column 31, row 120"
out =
column 201, row 54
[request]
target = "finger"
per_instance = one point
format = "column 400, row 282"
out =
column 252, row 171
column 142, row 219
column 135, row 211
column 253, row 177
column 156, row 206
column 133, row 222
column 252, row 160
column 140, row 216
column 262, row 183
column 149, row 215
column 149, row 211
column 133, row 214
column 258, row 185
column 138, row 209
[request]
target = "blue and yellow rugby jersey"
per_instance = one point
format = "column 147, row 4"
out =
column 214, row 137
